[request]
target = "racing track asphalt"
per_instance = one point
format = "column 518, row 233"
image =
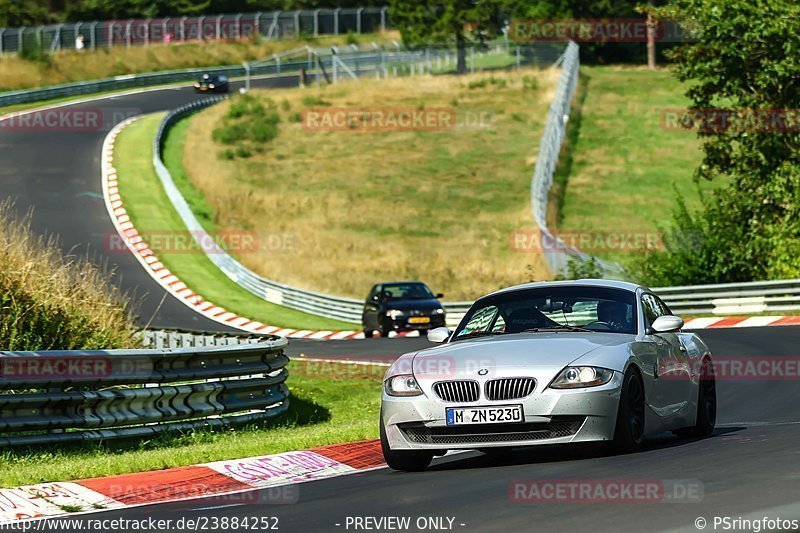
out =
column 750, row 467
column 56, row 173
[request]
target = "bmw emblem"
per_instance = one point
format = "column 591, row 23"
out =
column 483, row 372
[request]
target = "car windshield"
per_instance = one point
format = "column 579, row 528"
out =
column 407, row 291
column 595, row 309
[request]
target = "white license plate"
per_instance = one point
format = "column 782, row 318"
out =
column 500, row 414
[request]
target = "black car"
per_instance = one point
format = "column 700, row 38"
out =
column 401, row 306
column 211, row 83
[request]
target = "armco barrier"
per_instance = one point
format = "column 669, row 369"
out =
column 76, row 396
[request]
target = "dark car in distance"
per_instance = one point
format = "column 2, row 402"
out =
column 401, row 306
column 211, row 83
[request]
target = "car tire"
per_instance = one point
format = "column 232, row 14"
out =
column 629, row 432
column 385, row 329
column 404, row 460
column 706, row 404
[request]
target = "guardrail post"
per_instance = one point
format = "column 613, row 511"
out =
column 358, row 19
column 246, row 76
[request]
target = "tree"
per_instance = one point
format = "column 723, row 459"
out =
column 743, row 83
column 423, row 22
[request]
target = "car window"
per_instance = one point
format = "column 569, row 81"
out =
column 407, row 291
column 652, row 308
column 595, row 308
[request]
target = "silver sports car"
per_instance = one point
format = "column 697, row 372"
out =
column 549, row 363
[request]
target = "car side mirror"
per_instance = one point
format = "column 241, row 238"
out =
column 667, row 324
column 439, row 295
column 439, row 334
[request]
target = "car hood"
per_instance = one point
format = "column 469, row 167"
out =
column 406, row 305
column 506, row 355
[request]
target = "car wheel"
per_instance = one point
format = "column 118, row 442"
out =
column 629, row 432
column 706, row 404
column 368, row 333
column 405, row 460
column 385, row 329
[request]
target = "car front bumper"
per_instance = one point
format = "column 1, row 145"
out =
column 551, row 417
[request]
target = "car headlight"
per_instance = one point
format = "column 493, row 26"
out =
column 210, row 85
column 402, row 385
column 197, row 85
column 439, row 311
column 575, row 377
column 394, row 313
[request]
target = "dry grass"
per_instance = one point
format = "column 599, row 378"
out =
column 364, row 207
column 69, row 66
column 47, row 302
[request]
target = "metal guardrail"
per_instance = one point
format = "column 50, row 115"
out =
column 144, row 32
column 75, row 396
column 557, row 253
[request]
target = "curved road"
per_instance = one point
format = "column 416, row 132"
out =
column 55, row 171
column 749, row 468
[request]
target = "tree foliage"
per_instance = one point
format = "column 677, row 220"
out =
column 451, row 22
column 746, row 59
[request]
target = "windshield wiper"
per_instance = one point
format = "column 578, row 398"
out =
column 560, row 327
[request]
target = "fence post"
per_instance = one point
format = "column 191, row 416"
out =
column 297, row 23
column 383, row 18
column 2, row 31
column 316, row 22
column 219, row 26
column 257, row 21
column 39, row 32
column 519, row 59
column 20, row 39
column 336, row 20
column 183, row 28
column 128, row 33
column 201, row 33
column 239, row 26
column 93, row 31
column 147, row 32
column 358, row 19
column 76, row 31
column 472, row 60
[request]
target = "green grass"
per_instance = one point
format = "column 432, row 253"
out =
column 151, row 210
column 622, row 164
column 330, row 403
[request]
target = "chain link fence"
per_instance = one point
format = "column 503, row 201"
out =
column 143, row 32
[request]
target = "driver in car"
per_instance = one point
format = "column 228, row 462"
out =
column 615, row 314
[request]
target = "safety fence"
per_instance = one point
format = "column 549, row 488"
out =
column 54, row 397
column 145, row 32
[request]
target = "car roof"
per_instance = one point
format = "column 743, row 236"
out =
column 607, row 283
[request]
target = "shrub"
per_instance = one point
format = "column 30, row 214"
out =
column 48, row 302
